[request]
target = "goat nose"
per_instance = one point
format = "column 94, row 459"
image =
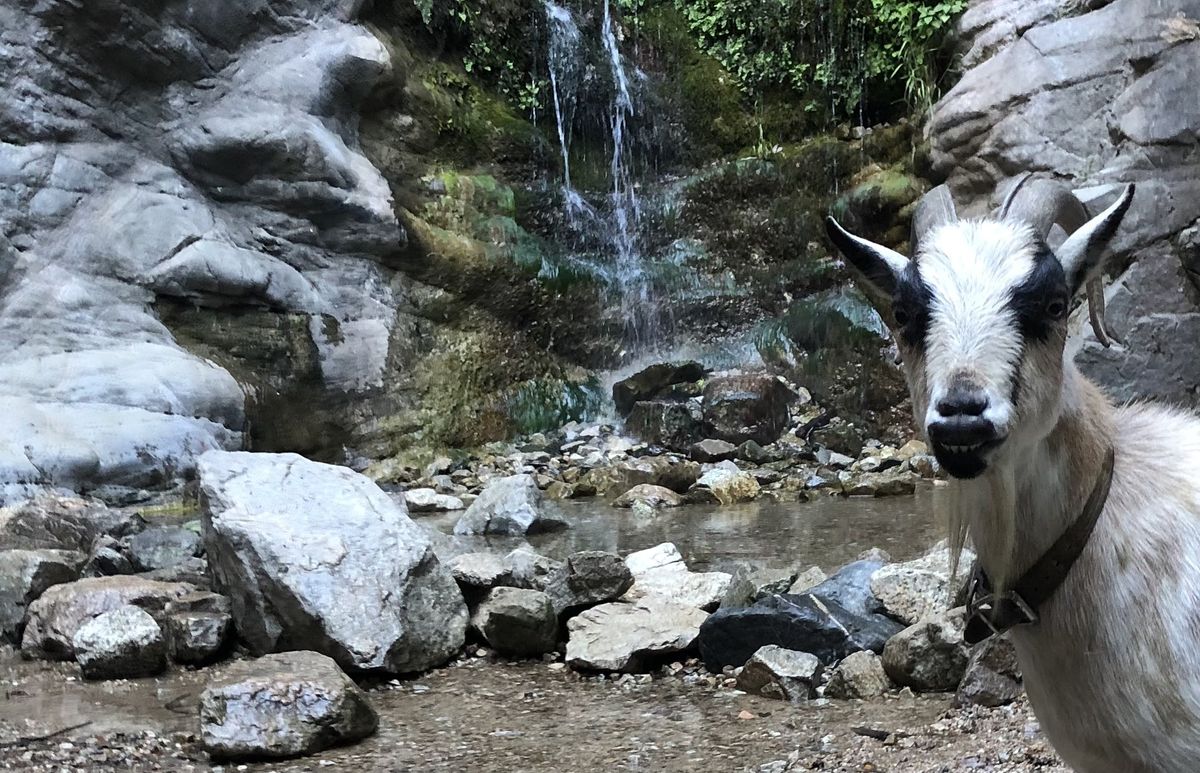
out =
column 962, row 402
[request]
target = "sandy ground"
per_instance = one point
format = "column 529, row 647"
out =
column 492, row 716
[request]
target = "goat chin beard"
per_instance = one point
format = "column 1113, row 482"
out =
column 984, row 507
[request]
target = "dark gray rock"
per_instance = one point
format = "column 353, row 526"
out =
column 775, row 672
column 929, row 656
column 673, row 425
column 161, row 547
column 831, row 621
column 123, row 643
column 317, row 556
column 283, row 705
column 53, row 620
column 588, row 578
column 747, row 407
column 712, row 450
column 749, row 585
column 199, row 627
column 108, row 557
column 510, row 506
column 63, row 523
column 993, row 676
column 518, row 622
column 480, row 571
column 193, row 571
column 651, row 382
column 24, row 576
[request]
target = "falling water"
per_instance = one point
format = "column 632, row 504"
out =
column 618, row 223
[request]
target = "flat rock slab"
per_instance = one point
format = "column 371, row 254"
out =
column 318, row 557
column 631, row 636
column 282, row 705
column 55, row 618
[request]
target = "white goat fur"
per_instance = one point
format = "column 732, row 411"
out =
column 1113, row 667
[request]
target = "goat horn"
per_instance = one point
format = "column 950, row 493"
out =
column 936, row 208
column 1095, row 299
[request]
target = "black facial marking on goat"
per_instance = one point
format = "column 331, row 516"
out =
column 1040, row 302
column 910, row 307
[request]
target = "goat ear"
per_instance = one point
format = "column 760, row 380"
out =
column 1081, row 254
column 875, row 267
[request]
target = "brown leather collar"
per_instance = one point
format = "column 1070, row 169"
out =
column 991, row 613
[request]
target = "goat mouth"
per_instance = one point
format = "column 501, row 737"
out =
column 965, row 460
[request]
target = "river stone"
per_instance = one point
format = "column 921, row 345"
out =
column 63, row 523
column 509, row 506
column 669, row 424
column 24, row 576
column 831, row 620
column 920, row 588
column 929, row 656
column 746, row 407
column 282, row 705
column 650, row 382
column 427, row 500
column 515, row 621
column 109, row 556
column 631, row 636
column 161, row 547
column 894, row 482
column 318, row 557
column 721, row 485
column 807, row 580
column 655, row 496
column 858, row 675
column 528, row 569
column 480, row 570
column 661, row 571
column 198, row 627
column 749, row 585
column 993, row 676
column 775, row 672
column 712, row 450
column 587, row 578
column 123, row 643
column 53, row 620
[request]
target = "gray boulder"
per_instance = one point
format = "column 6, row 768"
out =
column 53, row 620
column 51, row 522
column 746, row 407
column 807, row 580
column 917, row 589
column 480, row 570
column 515, row 621
column 929, row 656
column 123, row 643
column 661, row 571
column 775, row 672
column 282, row 705
column 749, row 585
column 712, row 450
column 512, row 506
column 162, row 547
column 24, row 576
column 858, row 675
column 631, row 636
column 724, row 486
column 109, row 556
column 317, row 556
column 199, row 627
column 993, row 676
column 587, row 578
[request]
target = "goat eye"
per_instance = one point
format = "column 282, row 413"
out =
column 901, row 316
column 1056, row 308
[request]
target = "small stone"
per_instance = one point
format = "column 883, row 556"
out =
column 712, row 450
column 427, row 500
column 929, row 656
column 858, row 675
column 655, row 496
column 794, row 675
column 124, row 643
column 515, row 621
column 808, row 579
column 993, row 676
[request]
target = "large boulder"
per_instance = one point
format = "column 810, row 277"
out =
column 832, row 620
column 512, row 506
column 1097, row 95
column 665, row 423
column 124, row 643
column 24, row 576
column 282, row 705
column 55, row 618
column 632, row 636
column 746, row 407
column 515, row 621
column 318, row 557
column 651, row 382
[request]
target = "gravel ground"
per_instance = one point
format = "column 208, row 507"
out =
column 490, row 716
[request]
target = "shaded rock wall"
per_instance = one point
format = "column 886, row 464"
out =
column 1099, row 94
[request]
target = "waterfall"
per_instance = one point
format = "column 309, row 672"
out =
column 616, row 227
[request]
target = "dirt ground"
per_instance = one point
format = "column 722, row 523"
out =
column 491, row 716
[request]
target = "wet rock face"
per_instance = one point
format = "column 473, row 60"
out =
column 513, row 506
column 55, row 618
column 670, row 424
column 747, row 407
column 24, row 576
column 207, row 157
column 123, row 643
column 318, row 557
column 283, row 705
column 1098, row 96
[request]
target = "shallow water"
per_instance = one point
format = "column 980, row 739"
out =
column 827, row 532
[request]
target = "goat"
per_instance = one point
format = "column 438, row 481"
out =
column 1110, row 657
